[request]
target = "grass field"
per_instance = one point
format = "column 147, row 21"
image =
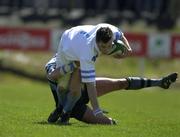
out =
column 25, row 106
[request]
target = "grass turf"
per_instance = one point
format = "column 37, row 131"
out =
column 25, row 106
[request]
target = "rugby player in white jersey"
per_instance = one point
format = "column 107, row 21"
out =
column 78, row 49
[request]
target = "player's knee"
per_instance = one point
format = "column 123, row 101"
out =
column 51, row 77
column 54, row 75
column 123, row 83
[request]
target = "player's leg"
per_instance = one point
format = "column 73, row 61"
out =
column 72, row 97
column 50, row 67
column 164, row 82
column 107, row 85
column 67, row 100
column 53, row 74
column 68, row 92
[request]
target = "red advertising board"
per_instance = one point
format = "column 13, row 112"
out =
column 138, row 43
column 24, row 39
column 175, row 43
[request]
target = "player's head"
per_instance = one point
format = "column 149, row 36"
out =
column 104, row 39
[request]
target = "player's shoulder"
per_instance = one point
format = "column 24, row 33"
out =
column 83, row 28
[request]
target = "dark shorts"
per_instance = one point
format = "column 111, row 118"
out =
column 81, row 106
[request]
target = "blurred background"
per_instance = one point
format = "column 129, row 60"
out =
column 161, row 14
column 30, row 31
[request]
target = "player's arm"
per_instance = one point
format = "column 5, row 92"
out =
column 128, row 47
column 124, row 47
column 92, row 93
column 89, row 117
column 120, row 46
column 88, row 77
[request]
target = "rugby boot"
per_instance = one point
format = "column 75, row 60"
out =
column 168, row 80
column 54, row 116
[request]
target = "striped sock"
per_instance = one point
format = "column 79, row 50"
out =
column 138, row 82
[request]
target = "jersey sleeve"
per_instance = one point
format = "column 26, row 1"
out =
column 87, row 71
column 117, row 34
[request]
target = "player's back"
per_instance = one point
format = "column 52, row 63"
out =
column 76, row 41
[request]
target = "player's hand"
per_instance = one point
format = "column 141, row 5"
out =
column 126, row 53
column 100, row 115
column 98, row 112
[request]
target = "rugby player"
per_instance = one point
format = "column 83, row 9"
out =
column 79, row 47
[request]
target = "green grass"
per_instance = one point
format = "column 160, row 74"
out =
column 25, row 106
column 33, row 62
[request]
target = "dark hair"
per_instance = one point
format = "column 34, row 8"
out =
column 104, row 34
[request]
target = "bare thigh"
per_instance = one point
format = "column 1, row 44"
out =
column 107, row 85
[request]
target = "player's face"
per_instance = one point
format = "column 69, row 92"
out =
column 105, row 47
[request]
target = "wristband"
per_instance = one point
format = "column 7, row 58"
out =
column 97, row 111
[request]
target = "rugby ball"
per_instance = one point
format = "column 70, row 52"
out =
column 118, row 47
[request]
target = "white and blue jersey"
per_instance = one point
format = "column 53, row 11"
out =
column 79, row 44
